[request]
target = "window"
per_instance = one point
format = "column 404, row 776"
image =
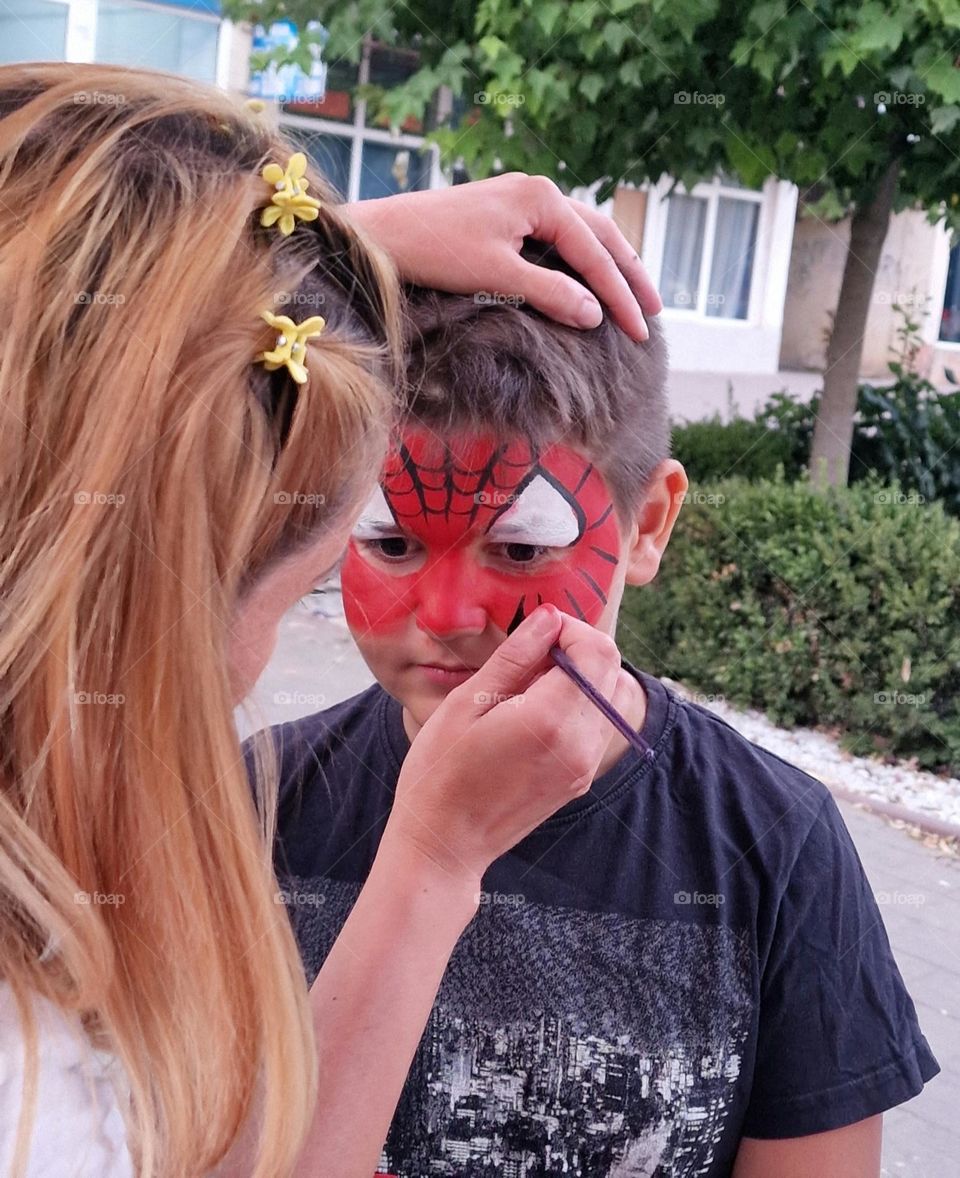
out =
column 362, row 160
column 386, row 170
column 331, row 153
column 950, row 319
column 709, row 248
column 32, row 30
column 156, row 37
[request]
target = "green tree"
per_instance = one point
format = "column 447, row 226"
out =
column 857, row 103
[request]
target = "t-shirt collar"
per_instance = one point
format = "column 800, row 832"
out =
column 654, row 725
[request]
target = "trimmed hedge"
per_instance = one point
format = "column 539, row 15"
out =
column 837, row 609
column 714, row 449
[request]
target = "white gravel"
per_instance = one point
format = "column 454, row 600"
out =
column 819, row 755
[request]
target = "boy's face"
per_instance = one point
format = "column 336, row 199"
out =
column 467, row 534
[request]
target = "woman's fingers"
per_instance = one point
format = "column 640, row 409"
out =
column 468, row 238
column 592, row 246
column 623, row 254
column 517, row 661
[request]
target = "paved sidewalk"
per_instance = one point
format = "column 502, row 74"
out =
column 316, row 664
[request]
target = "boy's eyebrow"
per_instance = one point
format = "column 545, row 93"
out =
column 375, row 525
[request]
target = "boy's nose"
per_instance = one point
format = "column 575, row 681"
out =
column 448, row 602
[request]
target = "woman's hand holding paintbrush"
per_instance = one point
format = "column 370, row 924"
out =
column 566, row 664
column 527, row 745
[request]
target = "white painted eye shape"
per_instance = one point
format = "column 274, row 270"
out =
column 540, row 517
column 376, row 520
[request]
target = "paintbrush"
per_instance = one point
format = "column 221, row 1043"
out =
column 565, row 663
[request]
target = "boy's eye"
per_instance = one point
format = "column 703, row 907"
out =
column 515, row 553
column 390, row 547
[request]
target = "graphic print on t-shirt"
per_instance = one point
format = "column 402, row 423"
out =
column 567, row 1042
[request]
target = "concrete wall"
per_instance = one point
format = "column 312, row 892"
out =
column 912, row 272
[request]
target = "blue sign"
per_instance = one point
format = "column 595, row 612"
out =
column 288, row 83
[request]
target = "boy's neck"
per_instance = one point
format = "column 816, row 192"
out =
column 634, row 711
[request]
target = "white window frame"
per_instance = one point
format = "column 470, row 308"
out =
column 356, row 133
column 939, row 270
column 655, row 231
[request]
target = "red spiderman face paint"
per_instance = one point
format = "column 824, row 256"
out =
column 469, row 531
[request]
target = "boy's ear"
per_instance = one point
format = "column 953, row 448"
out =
column 654, row 520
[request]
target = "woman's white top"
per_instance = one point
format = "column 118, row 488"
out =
column 78, row 1128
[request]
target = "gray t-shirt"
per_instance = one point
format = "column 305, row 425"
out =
column 688, row 954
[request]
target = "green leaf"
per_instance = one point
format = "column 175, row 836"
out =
column 943, row 78
column 765, row 62
column 591, row 43
column 765, row 16
column 786, row 144
column 752, row 162
column 902, row 77
column 944, row 119
column 491, row 47
column 878, row 27
column 629, row 73
column 547, row 16
column 616, row 34
column 839, row 54
column 949, row 11
column 590, row 86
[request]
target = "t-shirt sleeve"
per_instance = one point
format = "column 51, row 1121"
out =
column 78, row 1127
column 838, row 1036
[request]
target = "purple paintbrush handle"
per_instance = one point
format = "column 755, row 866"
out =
column 563, row 661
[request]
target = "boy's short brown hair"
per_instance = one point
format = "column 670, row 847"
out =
column 484, row 363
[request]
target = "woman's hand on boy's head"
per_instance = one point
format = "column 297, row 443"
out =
column 467, row 239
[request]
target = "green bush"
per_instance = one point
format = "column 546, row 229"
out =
column 837, row 609
column 910, row 432
column 741, row 448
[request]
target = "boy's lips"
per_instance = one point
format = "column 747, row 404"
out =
column 446, row 674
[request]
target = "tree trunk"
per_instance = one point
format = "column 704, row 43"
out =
column 833, row 430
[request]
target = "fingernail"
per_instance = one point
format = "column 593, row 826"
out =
column 589, row 313
column 544, row 619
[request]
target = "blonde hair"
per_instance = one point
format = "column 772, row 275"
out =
column 147, row 466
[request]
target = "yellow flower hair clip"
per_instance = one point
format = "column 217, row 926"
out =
column 291, row 344
column 289, row 199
